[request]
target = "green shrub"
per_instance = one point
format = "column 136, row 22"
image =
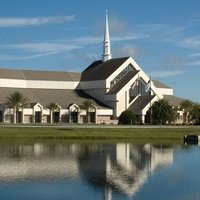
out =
column 127, row 117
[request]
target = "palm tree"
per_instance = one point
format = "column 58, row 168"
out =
column 186, row 106
column 87, row 105
column 195, row 113
column 17, row 101
column 53, row 107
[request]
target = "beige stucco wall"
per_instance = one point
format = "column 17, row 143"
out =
column 8, row 118
column 165, row 91
column 28, row 118
column 121, row 105
column 103, row 119
column 17, row 83
column 106, row 120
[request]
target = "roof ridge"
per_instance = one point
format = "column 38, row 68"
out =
column 99, row 70
column 23, row 74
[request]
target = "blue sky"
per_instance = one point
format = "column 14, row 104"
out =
column 163, row 36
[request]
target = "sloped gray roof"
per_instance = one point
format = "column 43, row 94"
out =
column 45, row 96
column 99, row 70
column 159, row 84
column 39, row 75
column 173, row 100
column 140, row 103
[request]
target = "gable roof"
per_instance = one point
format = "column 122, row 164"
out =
column 99, row 70
column 159, row 84
column 39, row 75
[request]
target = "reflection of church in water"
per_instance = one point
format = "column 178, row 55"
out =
column 124, row 167
column 121, row 167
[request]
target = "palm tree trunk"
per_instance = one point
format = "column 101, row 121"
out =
column 184, row 118
column 88, row 117
column 14, row 115
column 22, row 116
column 51, row 116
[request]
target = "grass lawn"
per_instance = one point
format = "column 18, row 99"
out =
column 140, row 134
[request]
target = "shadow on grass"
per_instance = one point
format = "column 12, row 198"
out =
column 65, row 129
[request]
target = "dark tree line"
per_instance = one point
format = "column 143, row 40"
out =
column 163, row 112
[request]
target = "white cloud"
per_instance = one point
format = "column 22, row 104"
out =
column 190, row 42
column 195, row 55
column 85, row 40
column 17, row 22
column 152, row 27
column 37, row 50
column 38, row 55
column 127, row 37
column 117, row 26
column 4, row 57
column 194, row 63
column 10, row 58
column 42, row 47
column 88, row 40
column 165, row 73
column 60, row 46
column 126, row 50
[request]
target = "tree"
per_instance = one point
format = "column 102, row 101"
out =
column 195, row 113
column 173, row 114
column 17, row 101
column 53, row 107
column 127, row 117
column 163, row 112
column 186, row 106
column 87, row 105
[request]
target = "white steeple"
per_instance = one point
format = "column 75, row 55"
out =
column 106, row 43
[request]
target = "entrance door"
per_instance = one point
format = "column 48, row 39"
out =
column 19, row 117
column 38, row 117
column 56, row 116
column 1, row 116
column 92, row 117
column 74, row 117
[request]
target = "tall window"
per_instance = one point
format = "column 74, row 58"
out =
column 121, row 75
column 139, row 89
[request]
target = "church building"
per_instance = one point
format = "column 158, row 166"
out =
column 113, row 84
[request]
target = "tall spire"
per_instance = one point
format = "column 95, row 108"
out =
column 106, row 43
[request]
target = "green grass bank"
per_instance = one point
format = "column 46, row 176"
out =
column 133, row 134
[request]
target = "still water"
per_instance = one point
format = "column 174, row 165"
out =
column 119, row 171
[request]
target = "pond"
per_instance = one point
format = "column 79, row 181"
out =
column 70, row 171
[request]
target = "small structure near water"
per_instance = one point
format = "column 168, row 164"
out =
column 191, row 139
